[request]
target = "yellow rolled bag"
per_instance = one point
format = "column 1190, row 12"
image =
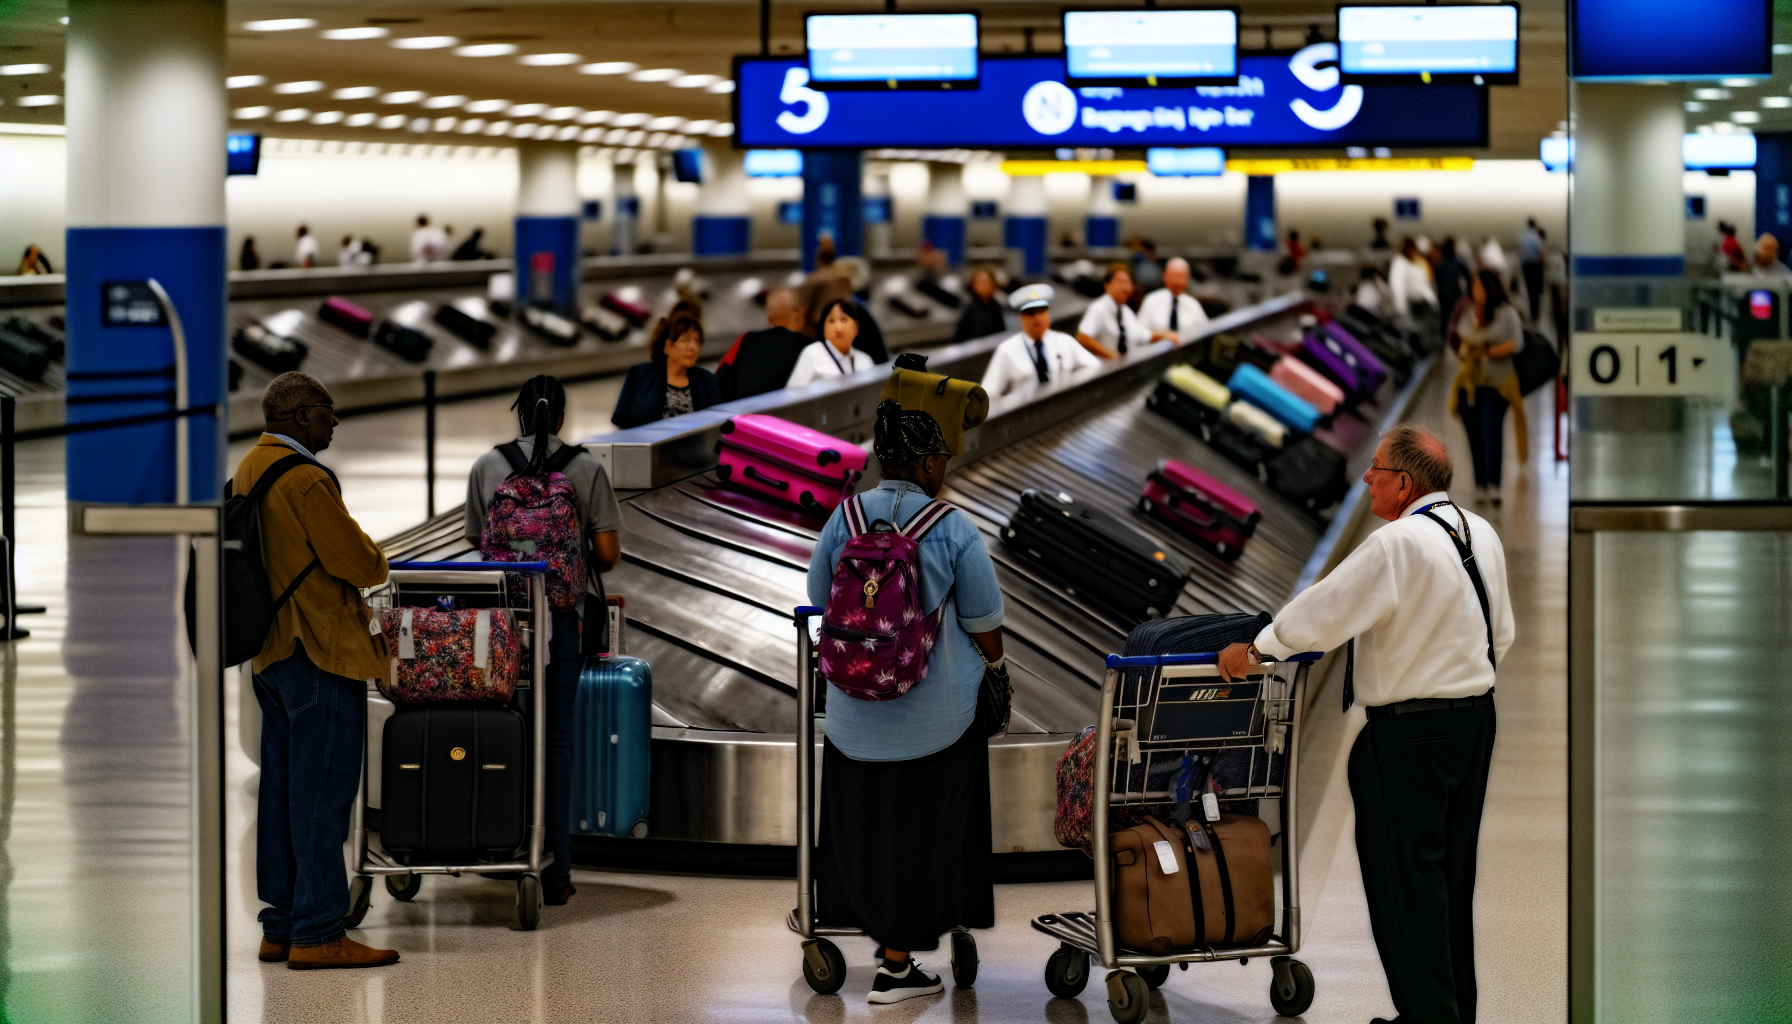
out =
column 957, row 404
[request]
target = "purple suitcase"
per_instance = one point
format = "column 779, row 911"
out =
column 1369, row 361
column 346, row 315
column 789, row 462
column 1335, row 365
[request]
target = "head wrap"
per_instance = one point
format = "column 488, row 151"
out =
column 905, row 436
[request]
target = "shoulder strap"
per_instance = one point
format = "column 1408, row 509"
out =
column 513, row 454
column 922, row 522
column 563, row 457
column 1467, row 554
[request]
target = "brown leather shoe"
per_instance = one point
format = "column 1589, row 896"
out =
column 272, row 952
column 343, row 953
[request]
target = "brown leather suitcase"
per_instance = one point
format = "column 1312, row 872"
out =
column 1232, row 902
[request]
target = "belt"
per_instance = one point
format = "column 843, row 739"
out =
column 1407, row 707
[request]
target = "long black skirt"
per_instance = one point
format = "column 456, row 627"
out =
column 905, row 845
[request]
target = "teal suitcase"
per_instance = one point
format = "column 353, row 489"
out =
column 612, row 748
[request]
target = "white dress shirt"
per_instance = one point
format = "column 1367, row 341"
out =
column 1103, row 322
column 820, row 361
column 1406, row 597
column 1410, row 281
column 1154, row 314
column 1012, row 379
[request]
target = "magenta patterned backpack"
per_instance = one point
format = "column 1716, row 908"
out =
column 536, row 519
column 875, row 637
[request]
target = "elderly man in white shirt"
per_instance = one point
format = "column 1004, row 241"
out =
column 1038, row 360
column 1109, row 327
column 1171, row 312
column 1429, row 633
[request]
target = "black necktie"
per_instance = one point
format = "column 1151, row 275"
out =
column 1175, row 307
column 1350, row 673
column 1040, row 366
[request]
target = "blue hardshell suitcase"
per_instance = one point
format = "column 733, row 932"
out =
column 1255, row 387
column 612, row 746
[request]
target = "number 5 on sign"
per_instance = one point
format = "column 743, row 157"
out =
column 1612, row 363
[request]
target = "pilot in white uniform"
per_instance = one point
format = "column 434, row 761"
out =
column 1038, row 360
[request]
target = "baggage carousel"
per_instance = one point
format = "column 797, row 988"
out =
column 711, row 576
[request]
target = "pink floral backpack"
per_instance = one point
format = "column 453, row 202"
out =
column 875, row 636
column 536, row 519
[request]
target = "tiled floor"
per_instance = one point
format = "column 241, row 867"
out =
column 94, row 812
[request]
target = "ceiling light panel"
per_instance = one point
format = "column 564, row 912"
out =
column 487, row 50
column 694, row 81
column 294, row 88
column 348, row 34
column 357, row 92
column 425, row 42
column 549, row 60
column 444, row 102
column 279, row 24
column 245, row 81
column 608, row 67
column 24, row 69
column 655, row 75
column 404, row 96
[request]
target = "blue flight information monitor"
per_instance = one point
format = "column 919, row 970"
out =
column 1151, row 48
column 1476, row 44
column 892, row 51
column 1628, row 40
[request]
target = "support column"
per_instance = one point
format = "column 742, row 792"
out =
column 1260, row 213
column 723, row 225
column 547, row 225
column 832, row 202
column 1028, row 222
column 146, row 120
column 625, row 209
column 947, row 211
column 1101, row 228
column 879, row 209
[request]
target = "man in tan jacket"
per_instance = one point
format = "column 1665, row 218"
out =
column 310, row 679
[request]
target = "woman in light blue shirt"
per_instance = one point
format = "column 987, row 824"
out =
column 905, row 833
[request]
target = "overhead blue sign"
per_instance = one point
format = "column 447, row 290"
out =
column 1620, row 40
column 1023, row 103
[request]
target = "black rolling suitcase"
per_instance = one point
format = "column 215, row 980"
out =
column 1096, row 555
column 1309, row 473
column 454, row 785
column 272, row 352
column 406, row 343
column 467, row 328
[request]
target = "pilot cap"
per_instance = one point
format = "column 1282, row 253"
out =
column 1031, row 297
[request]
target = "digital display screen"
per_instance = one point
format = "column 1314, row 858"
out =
column 1625, row 40
column 687, row 165
column 1193, row 162
column 1151, row 47
column 1474, row 43
column 773, row 163
column 892, row 51
column 1712, row 152
column 242, row 153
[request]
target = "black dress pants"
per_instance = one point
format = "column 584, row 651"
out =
column 1418, row 781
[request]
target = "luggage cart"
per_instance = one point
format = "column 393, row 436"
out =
column 1271, row 721
column 403, row 881
column 824, row 967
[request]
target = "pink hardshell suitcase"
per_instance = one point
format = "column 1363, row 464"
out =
column 789, row 462
column 1307, row 383
column 346, row 315
column 1201, row 507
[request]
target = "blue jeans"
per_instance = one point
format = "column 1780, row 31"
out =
column 313, row 732
column 564, row 665
column 1486, row 425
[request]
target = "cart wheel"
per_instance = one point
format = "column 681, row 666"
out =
column 1155, row 976
column 1067, row 972
column 1293, row 998
column 528, row 902
column 360, row 897
column 964, row 959
column 404, row 888
column 824, row 968
column 1127, row 996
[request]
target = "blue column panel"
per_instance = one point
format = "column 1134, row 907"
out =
column 1260, row 213
column 721, row 236
column 547, row 262
column 1101, row 232
column 1027, row 234
column 121, row 371
column 832, row 203
column 947, row 235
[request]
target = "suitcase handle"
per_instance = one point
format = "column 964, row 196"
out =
column 540, row 567
column 1154, row 660
column 753, row 474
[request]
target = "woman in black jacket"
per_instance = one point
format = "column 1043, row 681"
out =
column 672, row 384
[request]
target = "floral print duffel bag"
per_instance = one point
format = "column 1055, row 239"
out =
column 441, row 655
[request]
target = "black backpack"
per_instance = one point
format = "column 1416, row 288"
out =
column 249, row 605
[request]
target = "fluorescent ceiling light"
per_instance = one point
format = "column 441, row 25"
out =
column 608, row 67
column 364, row 32
column 251, row 113
column 360, row 120
column 293, row 114
column 1776, row 102
column 694, row 81
column 596, row 116
column 443, row 102
column 327, row 117
column 405, row 96
column 392, row 121
column 487, row 106
column 1746, row 117
column 549, row 60
column 245, row 81
column 357, row 92
column 563, row 113
column 280, row 24
column 699, row 127
column 445, row 124
column 425, row 42
column 528, row 109
column 630, row 120
column 24, row 69
column 722, row 131
column 41, row 101
column 497, row 128
column 665, row 124
column 655, row 75
column 293, row 88
column 1711, row 94
column 721, row 88
column 486, row 50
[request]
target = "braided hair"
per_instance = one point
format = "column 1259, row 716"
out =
column 905, row 436
column 539, row 406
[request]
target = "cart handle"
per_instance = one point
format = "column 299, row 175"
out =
column 1154, row 660
column 806, row 611
column 541, row 567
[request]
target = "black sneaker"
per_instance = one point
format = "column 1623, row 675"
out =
column 892, row 986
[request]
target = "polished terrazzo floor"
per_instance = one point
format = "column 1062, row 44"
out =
column 94, row 816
